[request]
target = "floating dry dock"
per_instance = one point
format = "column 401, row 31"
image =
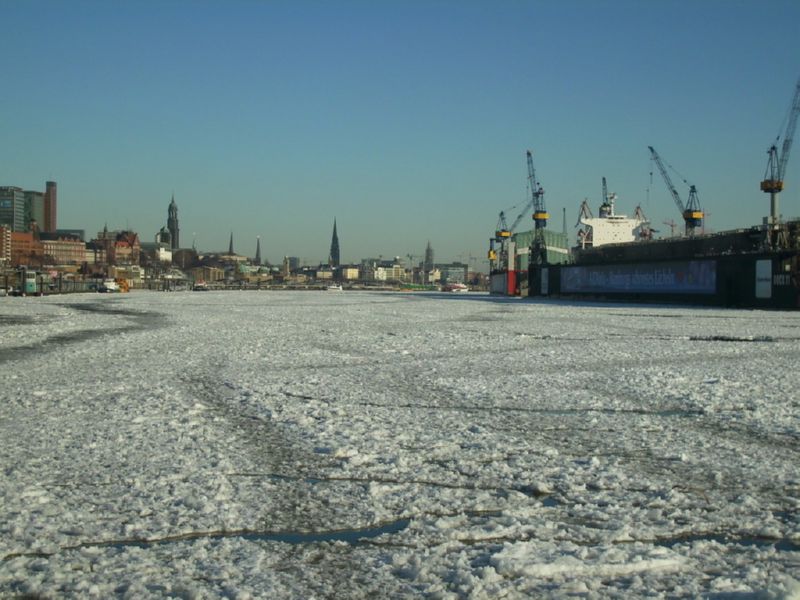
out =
column 757, row 267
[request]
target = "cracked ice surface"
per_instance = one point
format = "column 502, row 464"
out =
column 237, row 444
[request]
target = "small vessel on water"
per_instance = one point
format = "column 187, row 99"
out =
column 455, row 287
column 108, row 286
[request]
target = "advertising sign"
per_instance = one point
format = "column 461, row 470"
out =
column 678, row 277
column 764, row 278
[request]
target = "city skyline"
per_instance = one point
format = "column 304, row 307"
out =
column 405, row 121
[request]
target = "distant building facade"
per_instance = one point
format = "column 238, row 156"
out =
column 5, row 245
column 348, row 273
column 61, row 249
column 207, row 274
column 34, row 209
column 12, row 208
column 127, row 248
column 120, row 247
column 453, row 272
column 26, row 249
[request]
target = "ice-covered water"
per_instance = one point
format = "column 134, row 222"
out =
column 308, row 444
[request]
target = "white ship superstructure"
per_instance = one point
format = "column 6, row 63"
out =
column 609, row 227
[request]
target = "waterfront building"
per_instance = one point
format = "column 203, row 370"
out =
column 26, row 249
column 380, row 269
column 127, row 248
column 207, row 274
column 324, row 272
column 95, row 253
column 348, row 273
column 61, row 249
column 121, row 247
column 453, row 272
column 5, row 245
column 333, row 258
column 12, row 208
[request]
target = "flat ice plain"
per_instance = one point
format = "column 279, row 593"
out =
column 352, row 445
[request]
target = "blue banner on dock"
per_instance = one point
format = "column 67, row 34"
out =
column 678, row 277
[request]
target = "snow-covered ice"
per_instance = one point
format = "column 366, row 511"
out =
column 308, row 444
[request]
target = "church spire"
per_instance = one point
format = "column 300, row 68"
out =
column 333, row 258
column 230, row 246
column 257, row 260
column 172, row 224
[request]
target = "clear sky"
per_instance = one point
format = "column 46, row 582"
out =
column 407, row 121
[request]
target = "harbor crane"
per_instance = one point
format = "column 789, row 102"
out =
column 501, row 233
column 540, row 216
column 691, row 212
column 772, row 183
column 501, row 230
column 521, row 215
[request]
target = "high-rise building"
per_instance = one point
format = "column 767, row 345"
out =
column 12, row 208
column 333, row 258
column 172, row 224
column 50, row 207
column 34, row 209
column 5, row 245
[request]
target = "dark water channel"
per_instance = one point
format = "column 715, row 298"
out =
column 350, row 536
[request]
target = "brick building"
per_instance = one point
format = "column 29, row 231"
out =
column 26, row 249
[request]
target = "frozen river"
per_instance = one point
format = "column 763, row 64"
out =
column 323, row 444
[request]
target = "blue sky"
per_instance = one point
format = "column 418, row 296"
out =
column 406, row 121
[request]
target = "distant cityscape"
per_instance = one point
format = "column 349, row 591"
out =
column 31, row 241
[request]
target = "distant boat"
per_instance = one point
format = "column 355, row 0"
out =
column 108, row 285
column 200, row 286
column 334, row 288
column 455, row 287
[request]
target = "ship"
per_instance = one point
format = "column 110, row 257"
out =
column 617, row 259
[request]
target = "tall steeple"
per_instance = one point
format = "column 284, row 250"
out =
column 172, row 224
column 333, row 257
column 427, row 266
column 257, row 260
column 230, row 246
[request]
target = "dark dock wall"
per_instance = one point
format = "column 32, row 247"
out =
column 758, row 280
